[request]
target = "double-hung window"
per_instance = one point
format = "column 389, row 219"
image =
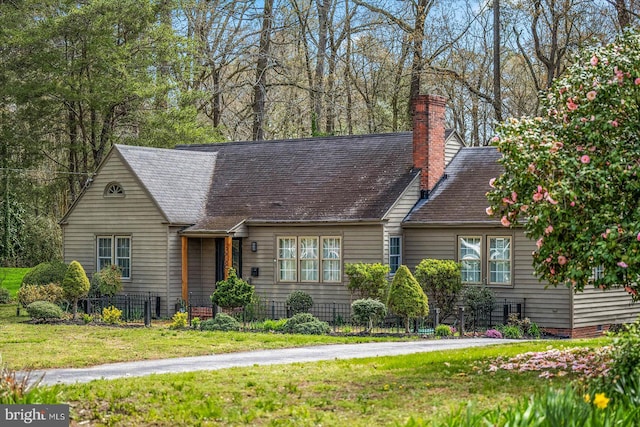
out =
column 309, row 259
column 395, row 253
column 485, row 259
column 470, row 257
column 114, row 250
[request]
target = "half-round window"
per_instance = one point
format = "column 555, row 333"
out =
column 113, row 190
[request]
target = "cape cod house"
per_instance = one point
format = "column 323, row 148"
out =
column 289, row 214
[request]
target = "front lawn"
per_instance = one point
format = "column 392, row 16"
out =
column 384, row 391
column 26, row 345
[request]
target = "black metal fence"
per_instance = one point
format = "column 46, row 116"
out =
column 132, row 305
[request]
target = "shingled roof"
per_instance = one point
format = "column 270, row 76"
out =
column 329, row 179
column 178, row 181
column 460, row 198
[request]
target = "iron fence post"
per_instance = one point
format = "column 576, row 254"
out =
column 334, row 316
column 461, row 316
column 189, row 307
column 436, row 320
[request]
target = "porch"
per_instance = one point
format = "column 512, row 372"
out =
column 205, row 261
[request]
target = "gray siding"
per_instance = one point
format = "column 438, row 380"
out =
column 395, row 216
column 451, row 148
column 547, row 307
column 134, row 215
column 360, row 243
column 594, row 307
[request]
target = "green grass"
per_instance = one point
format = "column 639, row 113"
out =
column 384, row 391
column 24, row 345
column 11, row 278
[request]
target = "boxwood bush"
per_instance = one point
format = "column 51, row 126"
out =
column 45, row 273
column 44, row 310
column 5, row 298
column 306, row 323
column 299, row 302
column 222, row 322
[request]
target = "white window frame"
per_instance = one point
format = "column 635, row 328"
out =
column 461, row 258
column 103, row 260
column 282, row 260
column 395, row 259
column 327, row 260
column 486, row 261
column 500, row 261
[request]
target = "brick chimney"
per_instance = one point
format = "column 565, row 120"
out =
column 428, row 140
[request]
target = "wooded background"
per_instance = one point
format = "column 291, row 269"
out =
column 78, row 76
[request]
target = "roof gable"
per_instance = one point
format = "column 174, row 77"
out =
column 460, row 197
column 178, row 181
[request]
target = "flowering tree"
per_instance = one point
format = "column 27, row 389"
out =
column 571, row 177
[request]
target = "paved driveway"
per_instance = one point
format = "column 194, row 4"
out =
column 263, row 357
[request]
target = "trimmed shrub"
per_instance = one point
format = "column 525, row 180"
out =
column 232, row 292
column 106, row 282
column 112, row 315
column 443, row 331
column 440, row 280
column 222, row 322
column 479, row 301
column 5, row 297
column 299, row 302
column 368, row 280
column 75, row 284
column 368, row 311
column 316, row 327
column 30, row 293
column 179, row 320
column 298, row 319
column 44, row 310
column 406, row 297
column 45, row 273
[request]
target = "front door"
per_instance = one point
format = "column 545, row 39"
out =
column 236, row 257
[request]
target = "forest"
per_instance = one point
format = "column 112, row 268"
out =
column 77, row 77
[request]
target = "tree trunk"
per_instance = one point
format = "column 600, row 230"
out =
column 497, row 98
column 260, row 88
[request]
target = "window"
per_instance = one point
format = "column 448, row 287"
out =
column 309, row 259
column 500, row 260
column 114, row 250
column 489, row 262
column 287, row 259
column 470, row 259
column 395, row 253
column 113, row 189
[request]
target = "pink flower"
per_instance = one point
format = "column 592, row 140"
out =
column 572, row 106
column 495, row 139
column 638, row 237
column 562, row 260
column 539, row 242
column 524, row 208
column 637, row 81
column 592, row 148
column 548, row 230
column 585, row 159
column 514, row 196
column 579, row 148
column 550, row 200
column 606, row 233
column 614, row 123
column 531, row 168
column 489, row 211
column 622, row 264
column 591, row 95
column 594, row 60
column 492, row 183
column 572, row 203
column 505, row 222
